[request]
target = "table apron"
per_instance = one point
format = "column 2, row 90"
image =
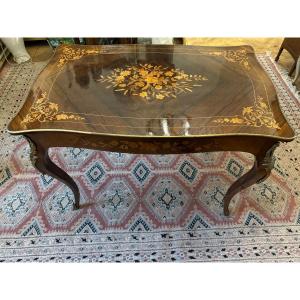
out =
column 153, row 145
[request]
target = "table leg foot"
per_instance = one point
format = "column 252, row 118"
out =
column 261, row 169
column 76, row 205
column 42, row 162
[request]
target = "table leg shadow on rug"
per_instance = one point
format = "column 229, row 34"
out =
column 146, row 207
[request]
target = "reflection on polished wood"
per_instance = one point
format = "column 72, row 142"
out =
column 154, row 99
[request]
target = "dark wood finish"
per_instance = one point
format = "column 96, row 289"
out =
column 263, row 165
column 292, row 45
column 42, row 162
column 154, row 100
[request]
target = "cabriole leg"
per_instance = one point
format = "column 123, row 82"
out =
column 264, row 163
column 42, row 162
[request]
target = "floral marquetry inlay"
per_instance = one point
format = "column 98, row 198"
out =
column 42, row 110
column 69, row 53
column 234, row 56
column 151, row 82
column 258, row 115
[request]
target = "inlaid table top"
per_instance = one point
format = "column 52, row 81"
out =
column 155, row 100
column 153, row 91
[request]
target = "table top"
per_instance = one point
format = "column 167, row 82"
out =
column 153, row 90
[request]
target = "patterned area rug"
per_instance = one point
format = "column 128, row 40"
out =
column 145, row 207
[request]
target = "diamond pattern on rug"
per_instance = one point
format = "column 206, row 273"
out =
column 46, row 180
column 273, row 199
column 116, row 201
column 141, row 174
column 167, row 200
column 87, row 226
column 58, row 207
column 95, row 173
column 74, row 158
column 141, row 171
column 17, row 203
column 198, row 222
column 188, row 171
column 34, row 229
column 93, row 176
column 140, row 225
column 234, row 168
column 210, row 195
column 253, row 219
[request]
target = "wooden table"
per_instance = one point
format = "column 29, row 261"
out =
column 154, row 100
